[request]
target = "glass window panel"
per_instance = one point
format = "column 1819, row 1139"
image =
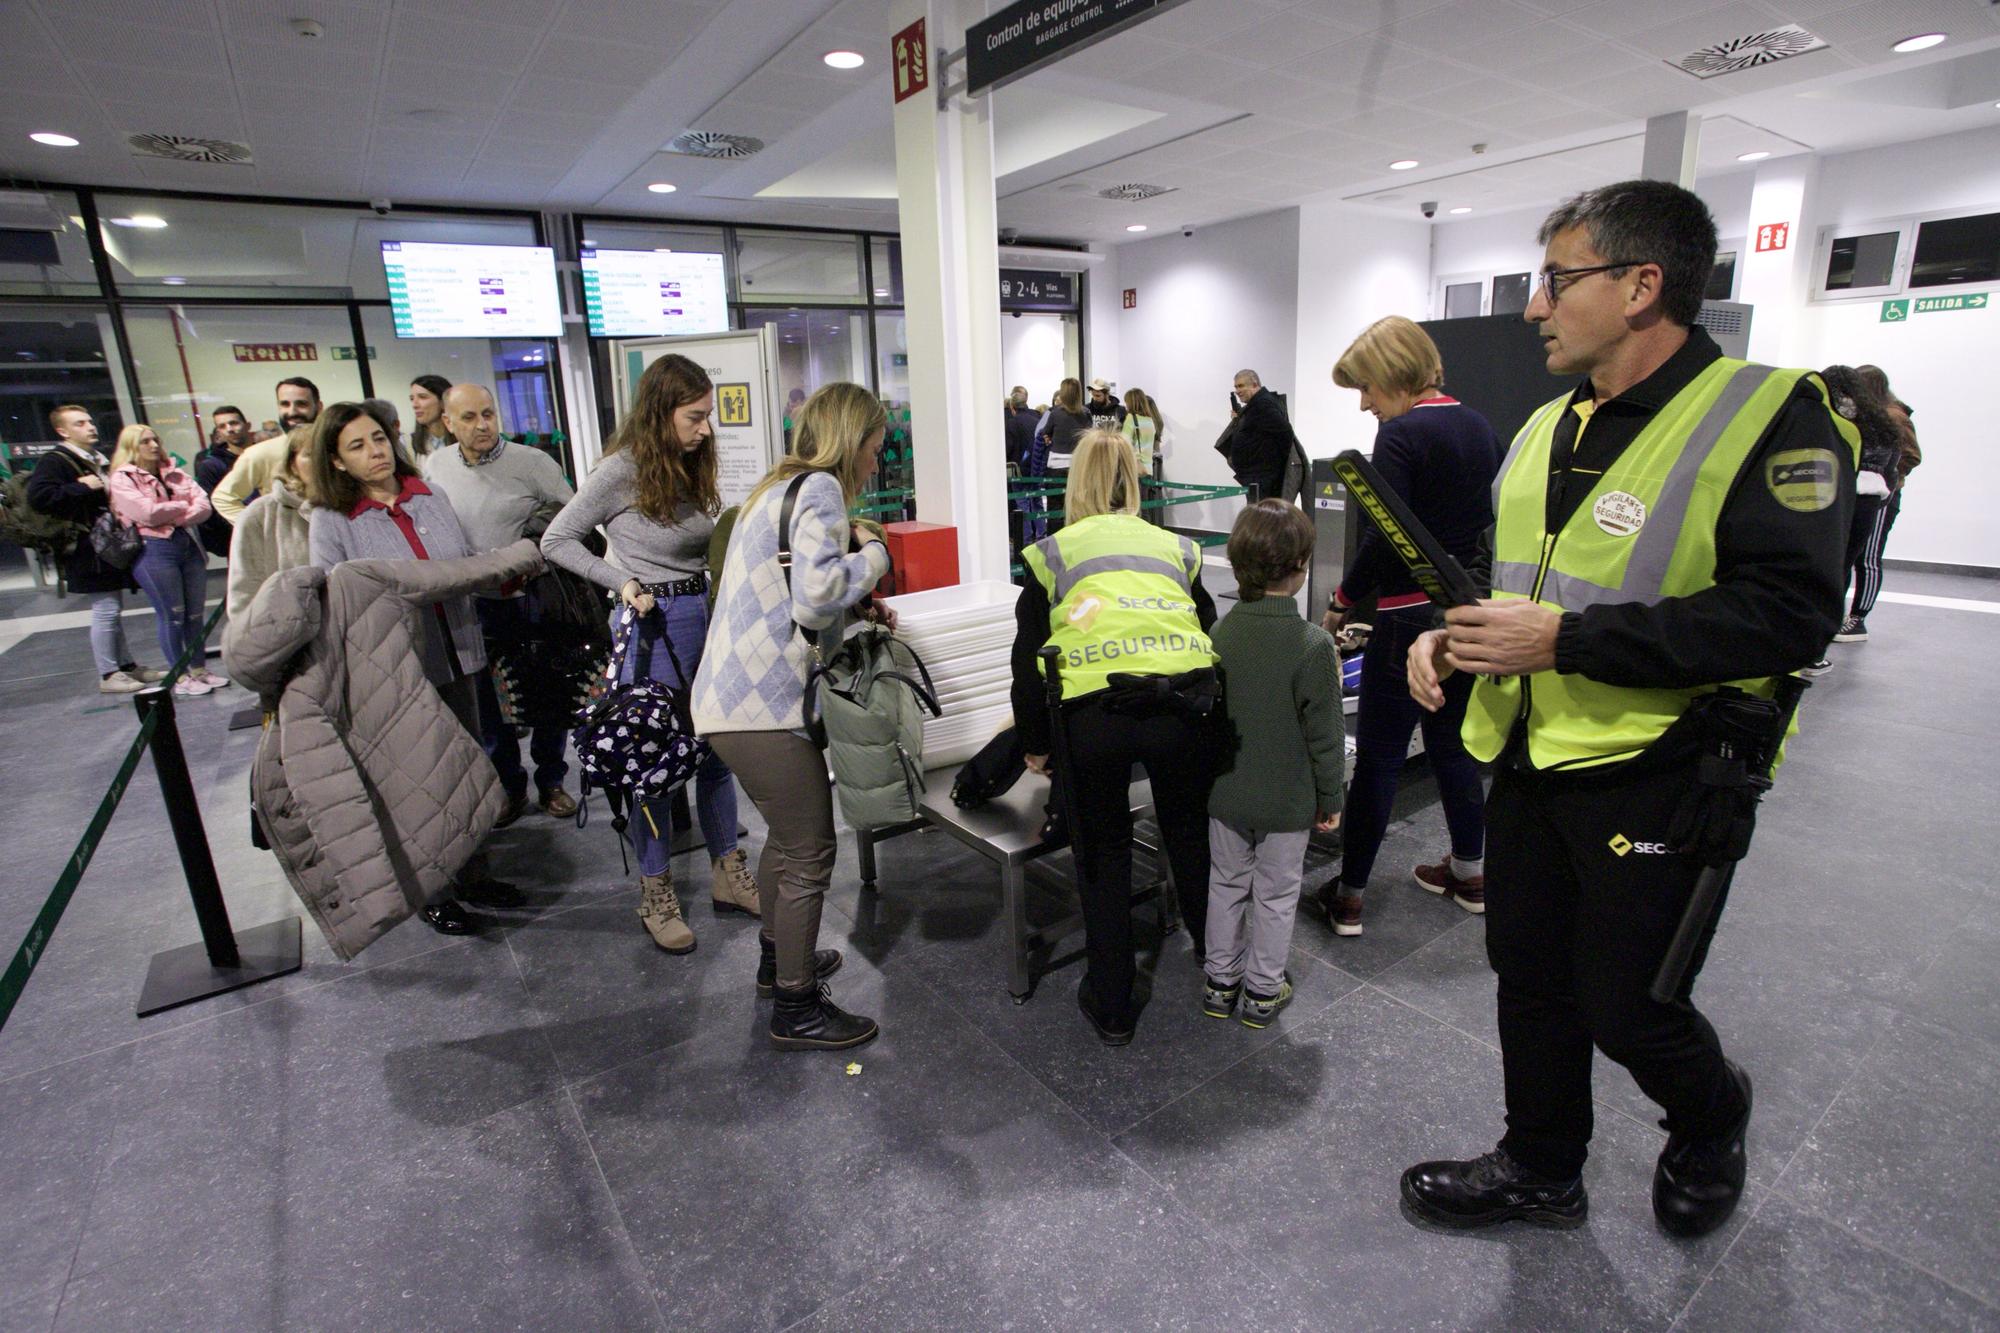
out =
column 42, row 218
column 211, row 247
column 1511, row 292
column 625, row 234
column 1721, row 278
column 191, row 360
column 1461, row 300
column 1862, row 261
column 815, row 347
column 789, row 268
column 1956, row 250
column 51, row 355
column 519, row 371
column 897, row 470
column 885, row 257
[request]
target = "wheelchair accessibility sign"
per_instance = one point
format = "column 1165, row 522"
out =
column 1895, row 312
column 732, row 404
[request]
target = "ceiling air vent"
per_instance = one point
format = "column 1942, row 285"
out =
column 1132, row 194
column 175, row 148
column 1741, row 53
column 707, row 143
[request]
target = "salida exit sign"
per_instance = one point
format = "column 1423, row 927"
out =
column 1773, row 236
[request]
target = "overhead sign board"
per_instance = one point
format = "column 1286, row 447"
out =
column 1025, row 36
column 1026, row 289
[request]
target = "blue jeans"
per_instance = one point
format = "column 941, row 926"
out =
column 174, row 573
column 1382, row 726
column 685, row 624
column 107, row 632
column 502, row 619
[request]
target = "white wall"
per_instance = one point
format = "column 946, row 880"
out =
column 1354, row 268
column 1036, row 352
column 1208, row 306
column 1936, row 361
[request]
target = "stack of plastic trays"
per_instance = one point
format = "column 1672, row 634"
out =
column 964, row 634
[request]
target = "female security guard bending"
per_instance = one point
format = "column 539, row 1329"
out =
column 1123, row 603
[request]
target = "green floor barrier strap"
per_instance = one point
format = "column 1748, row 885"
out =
column 187, row 654
column 23, row 963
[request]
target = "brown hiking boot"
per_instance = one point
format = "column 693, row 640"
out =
column 1467, row 893
column 1344, row 912
column 731, row 885
column 660, row 911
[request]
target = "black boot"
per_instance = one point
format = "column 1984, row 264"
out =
column 808, row 1020
column 447, row 917
column 826, row 962
column 1492, row 1188
column 1698, row 1181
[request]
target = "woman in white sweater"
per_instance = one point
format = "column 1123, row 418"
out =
column 749, row 693
column 272, row 535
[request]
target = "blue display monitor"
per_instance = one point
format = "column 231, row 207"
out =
column 472, row 291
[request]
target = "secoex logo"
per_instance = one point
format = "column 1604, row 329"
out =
column 1621, row 845
column 1084, row 614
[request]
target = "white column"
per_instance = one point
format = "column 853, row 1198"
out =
column 1778, row 282
column 951, row 298
column 1672, row 142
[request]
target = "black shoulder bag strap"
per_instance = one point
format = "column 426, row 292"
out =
column 785, row 513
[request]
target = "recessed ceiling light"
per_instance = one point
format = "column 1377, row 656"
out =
column 174, row 282
column 144, row 221
column 1461, row 209
column 1757, row 156
column 1921, row 42
column 881, row 291
column 663, row 249
column 661, row 187
column 1404, row 164
column 1137, row 226
column 845, row 59
column 52, row 139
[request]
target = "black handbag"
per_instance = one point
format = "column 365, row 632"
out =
column 116, row 542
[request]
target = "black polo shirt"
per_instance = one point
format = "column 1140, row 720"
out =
column 1780, row 572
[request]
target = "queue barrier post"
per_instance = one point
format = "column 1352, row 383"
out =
column 224, row 960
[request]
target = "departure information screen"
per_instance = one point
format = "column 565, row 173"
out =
column 636, row 293
column 472, row 291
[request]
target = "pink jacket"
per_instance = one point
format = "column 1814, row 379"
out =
column 157, row 505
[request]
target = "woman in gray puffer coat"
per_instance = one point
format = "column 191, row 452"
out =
column 372, row 792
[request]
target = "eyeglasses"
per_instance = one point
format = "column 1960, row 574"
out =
column 1554, row 280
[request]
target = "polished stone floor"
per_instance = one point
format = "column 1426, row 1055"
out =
column 553, row 1125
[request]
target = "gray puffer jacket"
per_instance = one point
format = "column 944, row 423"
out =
column 371, row 792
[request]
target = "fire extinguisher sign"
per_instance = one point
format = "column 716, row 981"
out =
column 910, row 61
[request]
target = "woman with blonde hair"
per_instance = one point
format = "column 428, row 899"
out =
column 656, row 497
column 151, row 492
column 1122, row 603
column 1441, row 457
column 796, row 563
column 275, row 531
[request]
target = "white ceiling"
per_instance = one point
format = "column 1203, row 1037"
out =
column 1238, row 106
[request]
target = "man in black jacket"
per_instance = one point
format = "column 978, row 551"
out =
column 1258, row 443
column 232, row 437
column 68, row 483
column 1021, row 422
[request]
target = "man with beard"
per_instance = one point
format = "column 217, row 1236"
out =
column 232, row 437
column 298, row 405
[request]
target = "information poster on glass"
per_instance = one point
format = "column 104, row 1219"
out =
column 749, row 436
column 638, row 293
column 472, row 291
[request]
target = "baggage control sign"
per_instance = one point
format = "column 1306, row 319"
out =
column 1024, row 37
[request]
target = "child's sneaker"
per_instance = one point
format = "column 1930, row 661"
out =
column 1218, row 1001
column 1259, row 1010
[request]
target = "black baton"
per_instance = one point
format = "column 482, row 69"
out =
column 1714, row 879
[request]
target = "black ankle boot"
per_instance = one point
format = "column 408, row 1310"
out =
column 1492, row 1188
column 826, row 962
column 808, row 1020
column 1698, row 1181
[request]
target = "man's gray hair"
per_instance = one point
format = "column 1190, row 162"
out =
column 1250, row 375
column 1647, row 222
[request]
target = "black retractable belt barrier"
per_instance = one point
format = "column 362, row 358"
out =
column 224, row 960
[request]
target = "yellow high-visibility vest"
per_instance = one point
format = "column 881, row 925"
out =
column 1646, row 532
column 1121, row 599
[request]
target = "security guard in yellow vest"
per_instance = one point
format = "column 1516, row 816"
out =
column 1119, row 598
column 1676, row 524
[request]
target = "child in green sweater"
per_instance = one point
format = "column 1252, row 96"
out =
column 1283, row 766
